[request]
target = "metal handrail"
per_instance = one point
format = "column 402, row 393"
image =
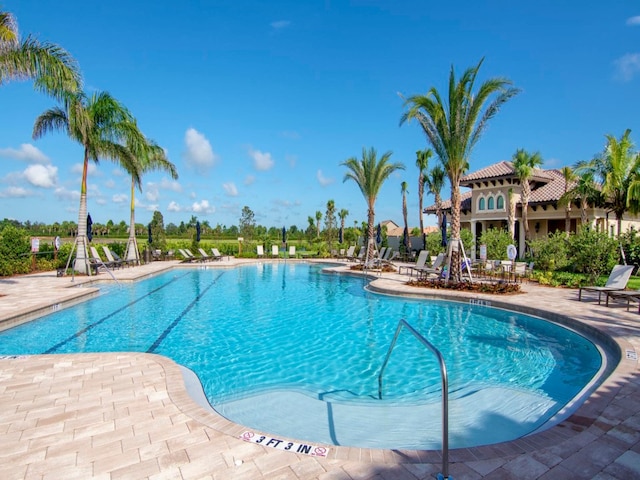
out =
column 445, row 388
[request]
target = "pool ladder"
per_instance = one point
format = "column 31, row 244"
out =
column 445, row 390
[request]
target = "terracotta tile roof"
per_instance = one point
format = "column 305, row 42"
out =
column 552, row 191
column 501, row 170
column 465, row 203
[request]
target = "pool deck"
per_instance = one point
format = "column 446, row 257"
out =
column 129, row 415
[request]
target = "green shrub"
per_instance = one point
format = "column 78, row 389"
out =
column 551, row 252
column 592, row 253
column 15, row 251
column 497, row 241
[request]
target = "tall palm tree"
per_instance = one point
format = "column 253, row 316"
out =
column 52, row 68
column 434, row 181
column 617, row 168
column 454, row 125
column 102, row 126
column 149, row 156
column 405, row 236
column 569, row 179
column 369, row 173
column 318, row 220
column 422, row 162
column 343, row 216
column 584, row 190
column 330, row 222
column 524, row 164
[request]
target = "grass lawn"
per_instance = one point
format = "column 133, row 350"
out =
column 634, row 283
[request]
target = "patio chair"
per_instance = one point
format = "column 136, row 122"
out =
column 193, row 257
column 186, row 258
column 260, row 251
column 94, row 257
column 434, row 269
column 275, row 252
column 349, row 255
column 292, row 251
column 216, row 254
column 617, row 281
column 627, row 295
column 205, row 256
column 111, row 258
column 420, row 263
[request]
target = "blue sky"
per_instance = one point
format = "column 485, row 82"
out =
column 258, row 103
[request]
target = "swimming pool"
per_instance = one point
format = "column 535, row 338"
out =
column 282, row 348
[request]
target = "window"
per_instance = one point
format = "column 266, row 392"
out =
column 500, row 204
column 490, row 204
column 481, row 203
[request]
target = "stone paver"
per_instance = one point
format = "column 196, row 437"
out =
column 129, row 415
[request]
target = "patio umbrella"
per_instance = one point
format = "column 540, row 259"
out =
column 150, row 235
column 340, row 235
column 284, row 235
column 379, row 234
column 89, row 224
column 443, row 229
column 197, row 231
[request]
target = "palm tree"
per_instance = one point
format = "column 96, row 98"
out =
column 434, row 181
column 343, row 215
column 584, row 190
column 406, row 237
column 454, row 125
column 422, row 162
column 511, row 213
column 101, row 125
column 569, row 179
column 149, row 157
column 330, row 222
column 52, row 68
column 369, row 173
column 318, row 220
column 617, row 168
column 524, row 165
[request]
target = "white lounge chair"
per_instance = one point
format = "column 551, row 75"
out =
column 434, row 269
column 349, row 254
column 292, row 251
column 260, row 251
column 617, row 281
column 275, row 252
column 205, row 256
column 111, row 259
column 216, row 254
column 420, row 263
column 186, row 257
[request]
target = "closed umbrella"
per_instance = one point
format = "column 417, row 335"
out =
column 197, row 231
column 150, row 235
column 379, row 234
column 284, row 235
column 340, row 235
column 89, row 224
column 443, row 229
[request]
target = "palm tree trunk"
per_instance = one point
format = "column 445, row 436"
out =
column 525, row 208
column 371, row 218
column 82, row 261
column 454, row 273
column 583, row 212
column 420, row 200
column 132, row 253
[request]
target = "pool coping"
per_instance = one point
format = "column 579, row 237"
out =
column 594, row 419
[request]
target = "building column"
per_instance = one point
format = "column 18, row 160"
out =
column 521, row 243
column 475, row 240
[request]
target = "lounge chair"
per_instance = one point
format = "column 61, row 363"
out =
column 216, row 254
column 349, row 254
column 434, row 269
column 123, row 261
column 111, row 258
column 617, row 281
column 627, row 295
column 292, row 251
column 260, row 251
column 275, row 252
column 186, row 258
column 193, row 257
column 420, row 263
column 205, row 256
column 94, row 257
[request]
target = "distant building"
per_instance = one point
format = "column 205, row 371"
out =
column 485, row 204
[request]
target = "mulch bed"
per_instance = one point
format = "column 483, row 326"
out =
column 498, row 288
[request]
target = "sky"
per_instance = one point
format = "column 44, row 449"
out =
column 258, row 103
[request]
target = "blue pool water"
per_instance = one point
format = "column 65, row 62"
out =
column 284, row 348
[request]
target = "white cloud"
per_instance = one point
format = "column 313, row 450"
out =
column 152, row 194
column 152, row 207
column 119, row 198
column 172, row 185
column 26, row 153
column 633, row 20
column 45, row 176
column 64, row 194
column 230, row 189
column 92, row 168
column 261, row 161
column 174, row 207
column 202, row 207
column 627, row 66
column 14, row 192
column 291, row 160
column 280, row 24
column 324, row 181
column 199, row 153
column 110, row 184
column 249, row 179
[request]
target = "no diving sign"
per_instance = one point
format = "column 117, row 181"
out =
column 313, row 450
